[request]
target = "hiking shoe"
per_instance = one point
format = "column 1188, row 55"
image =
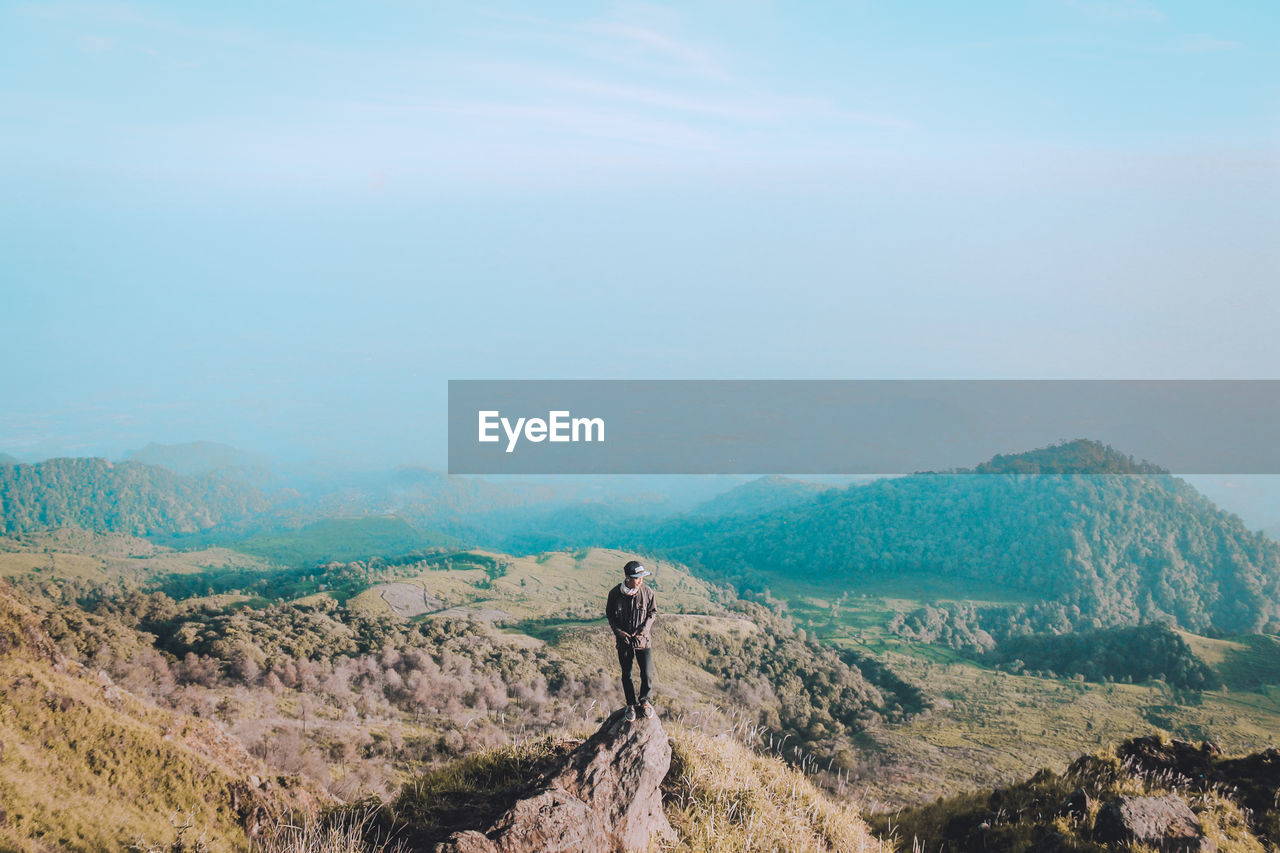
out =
column 648, row 709
column 630, row 716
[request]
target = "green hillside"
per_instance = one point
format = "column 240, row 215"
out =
column 360, row 674
column 531, row 620
column 120, row 497
column 989, row 719
column 341, row 539
column 1111, row 548
column 919, row 636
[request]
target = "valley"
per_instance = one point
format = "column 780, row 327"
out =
column 353, row 654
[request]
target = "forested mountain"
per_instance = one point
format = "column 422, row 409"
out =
column 196, row 457
column 764, row 494
column 1114, row 548
column 549, row 527
column 1072, row 457
column 123, row 497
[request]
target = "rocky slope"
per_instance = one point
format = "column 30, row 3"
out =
column 630, row 786
column 605, row 795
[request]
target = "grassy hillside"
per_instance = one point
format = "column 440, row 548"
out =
column 341, row 539
column 85, row 765
column 985, row 725
column 550, row 588
column 524, row 631
column 84, row 559
column 360, row 674
column 722, row 796
column 1248, row 663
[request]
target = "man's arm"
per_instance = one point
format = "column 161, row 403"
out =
column 611, row 613
column 650, row 614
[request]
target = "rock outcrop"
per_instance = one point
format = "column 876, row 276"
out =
column 1153, row 754
column 1252, row 780
column 605, row 795
column 1166, row 823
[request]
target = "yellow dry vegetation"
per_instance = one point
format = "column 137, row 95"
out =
column 721, row 797
column 50, row 565
column 87, row 766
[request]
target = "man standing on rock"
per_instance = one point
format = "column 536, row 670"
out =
column 631, row 610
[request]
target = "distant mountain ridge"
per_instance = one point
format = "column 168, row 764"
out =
column 764, row 494
column 1119, row 548
column 1081, row 456
column 124, row 497
column 196, row 457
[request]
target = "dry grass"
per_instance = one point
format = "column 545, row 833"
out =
column 345, row 832
column 87, row 768
column 469, row 792
column 720, row 796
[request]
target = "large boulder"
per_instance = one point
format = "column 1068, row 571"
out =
column 606, row 795
column 1166, row 823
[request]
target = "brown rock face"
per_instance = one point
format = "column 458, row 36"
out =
column 605, row 796
column 1166, row 823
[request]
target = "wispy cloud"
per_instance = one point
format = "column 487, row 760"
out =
column 629, row 84
column 639, row 64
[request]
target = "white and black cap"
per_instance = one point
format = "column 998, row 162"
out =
column 634, row 569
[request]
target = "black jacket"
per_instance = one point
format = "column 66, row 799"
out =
column 633, row 614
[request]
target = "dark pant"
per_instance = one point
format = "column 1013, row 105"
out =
column 644, row 657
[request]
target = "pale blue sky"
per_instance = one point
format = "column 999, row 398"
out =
column 285, row 226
